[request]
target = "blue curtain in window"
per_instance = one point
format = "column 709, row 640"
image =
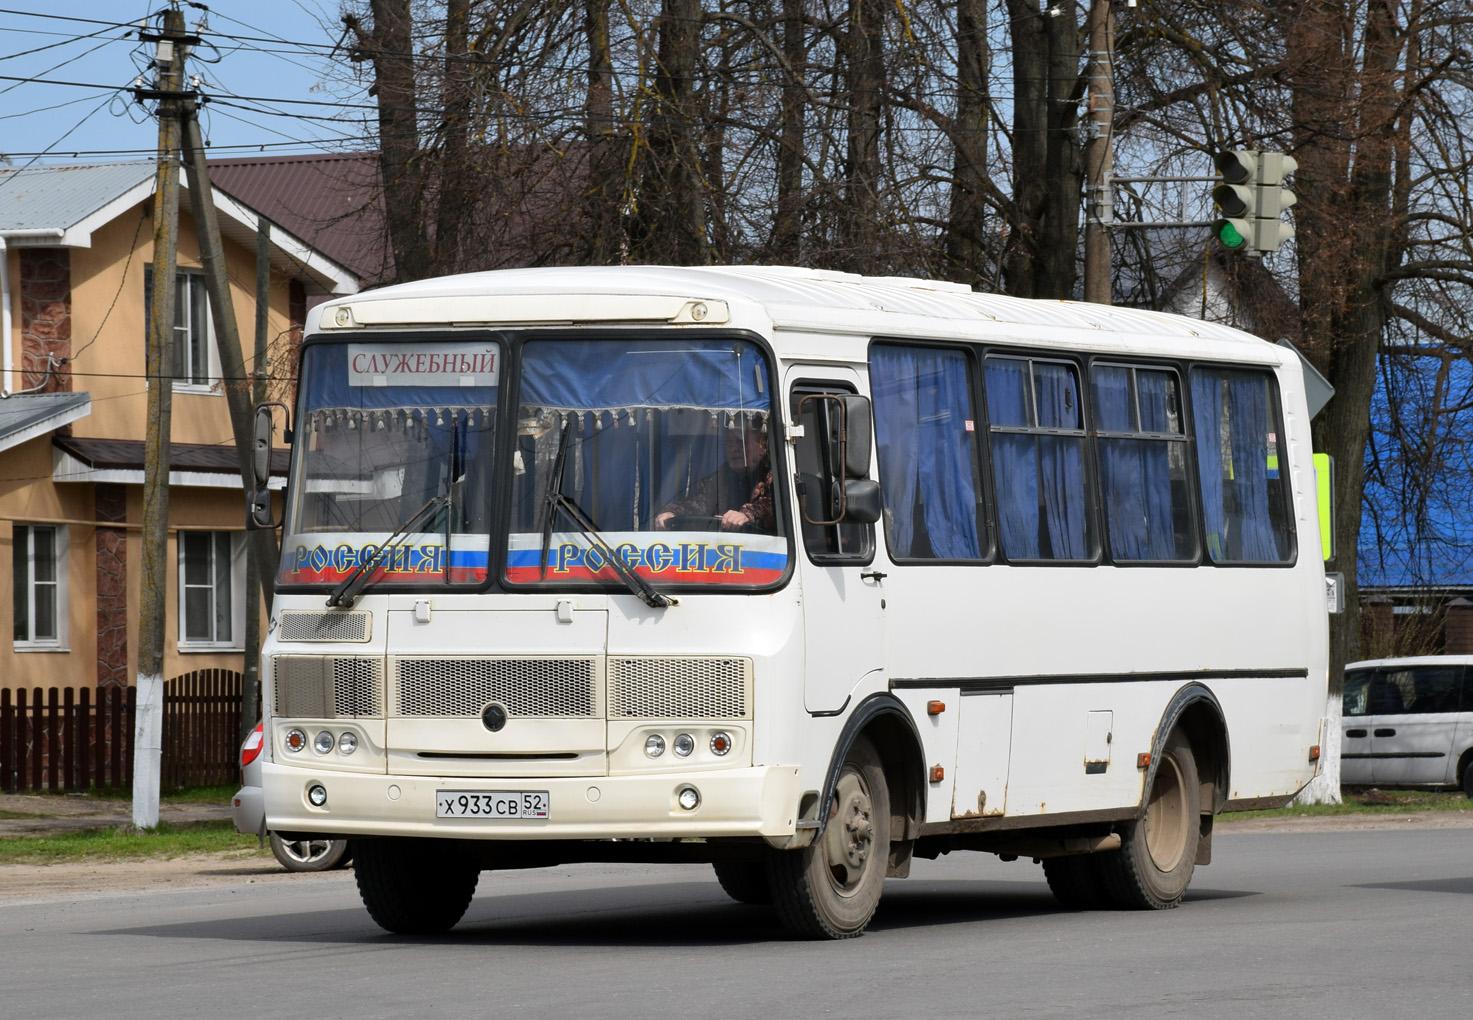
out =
column 1234, row 494
column 1061, row 462
column 1207, row 427
column 921, row 412
column 1014, row 458
column 1248, row 414
column 1136, row 473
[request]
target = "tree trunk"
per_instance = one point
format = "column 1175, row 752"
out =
column 455, row 175
column 672, row 206
column 607, row 183
column 862, row 44
column 1345, row 249
column 1048, row 169
column 787, row 231
column 967, row 221
column 390, row 46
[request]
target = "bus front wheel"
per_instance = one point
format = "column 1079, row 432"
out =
column 1153, row 867
column 411, row 887
column 830, row 890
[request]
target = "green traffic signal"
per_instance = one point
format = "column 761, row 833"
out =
column 1229, row 235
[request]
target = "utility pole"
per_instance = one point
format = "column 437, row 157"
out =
column 227, row 332
column 250, row 688
column 159, row 369
column 1099, row 154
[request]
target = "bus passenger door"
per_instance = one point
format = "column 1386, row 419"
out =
column 843, row 591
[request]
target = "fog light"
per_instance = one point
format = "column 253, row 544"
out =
column 720, row 743
column 317, row 795
column 347, row 743
column 295, row 739
column 654, row 745
column 685, row 744
column 323, row 743
column 689, row 798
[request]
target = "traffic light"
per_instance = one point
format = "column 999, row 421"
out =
column 1271, row 199
column 1235, row 198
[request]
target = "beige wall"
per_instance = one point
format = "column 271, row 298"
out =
column 108, row 335
column 112, row 369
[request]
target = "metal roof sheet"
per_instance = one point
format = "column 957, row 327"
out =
column 332, row 202
column 25, row 416
column 42, row 197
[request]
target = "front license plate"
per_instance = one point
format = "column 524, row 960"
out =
column 508, row 804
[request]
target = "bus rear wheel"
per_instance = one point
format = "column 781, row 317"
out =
column 1153, row 867
column 830, row 890
column 411, row 886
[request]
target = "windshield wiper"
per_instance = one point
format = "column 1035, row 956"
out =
column 557, row 500
column 352, row 586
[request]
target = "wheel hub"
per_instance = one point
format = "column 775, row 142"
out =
column 850, row 836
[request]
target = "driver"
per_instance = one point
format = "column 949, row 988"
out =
column 739, row 492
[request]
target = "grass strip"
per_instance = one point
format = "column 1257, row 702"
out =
column 167, row 841
column 1365, row 802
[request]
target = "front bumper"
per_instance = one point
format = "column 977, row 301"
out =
column 761, row 801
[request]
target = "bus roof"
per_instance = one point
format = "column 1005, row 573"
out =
column 780, row 298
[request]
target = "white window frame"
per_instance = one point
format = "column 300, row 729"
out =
column 58, row 532
column 236, row 641
column 211, row 382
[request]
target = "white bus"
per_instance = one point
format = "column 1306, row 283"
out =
column 798, row 573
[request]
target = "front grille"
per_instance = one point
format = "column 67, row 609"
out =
column 324, row 626
column 327, row 687
column 667, row 688
column 560, row 688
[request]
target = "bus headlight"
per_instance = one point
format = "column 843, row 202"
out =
column 654, row 745
column 684, row 745
column 347, row 743
column 323, row 743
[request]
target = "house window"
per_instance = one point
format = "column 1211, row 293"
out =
column 192, row 347
column 210, row 603
column 39, row 562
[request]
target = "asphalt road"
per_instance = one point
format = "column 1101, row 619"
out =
column 1342, row 925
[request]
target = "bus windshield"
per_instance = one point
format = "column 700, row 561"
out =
column 385, row 431
column 662, row 446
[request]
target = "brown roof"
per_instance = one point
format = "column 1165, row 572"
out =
column 331, row 201
column 127, row 455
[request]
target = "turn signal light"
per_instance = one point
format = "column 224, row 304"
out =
column 935, row 707
column 937, row 773
column 1143, row 760
column 1314, row 753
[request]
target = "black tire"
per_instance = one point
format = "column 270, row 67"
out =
column 310, row 854
column 413, row 886
column 1468, row 779
column 830, row 890
column 1153, row 867
column 1075, row 882
column 744, row 881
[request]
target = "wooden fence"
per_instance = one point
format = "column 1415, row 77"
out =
column 77, row 739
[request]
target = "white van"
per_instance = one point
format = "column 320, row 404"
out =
column 1409, row 722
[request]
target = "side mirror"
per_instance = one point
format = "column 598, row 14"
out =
column 855, row 435
column 258, row 499
column 261, row 446
column 862, row 502
column 258, row 511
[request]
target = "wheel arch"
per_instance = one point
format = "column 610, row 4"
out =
column 1195, row 710
column 884, row 719
column 1465, row 761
